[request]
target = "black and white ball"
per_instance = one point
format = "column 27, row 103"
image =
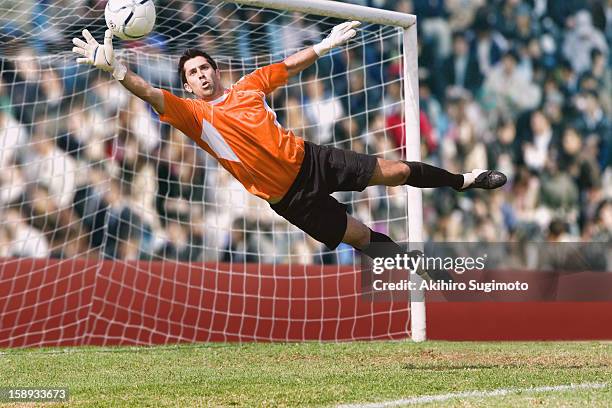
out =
column 130, row 19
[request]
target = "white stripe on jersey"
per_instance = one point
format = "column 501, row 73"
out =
column 217, row 143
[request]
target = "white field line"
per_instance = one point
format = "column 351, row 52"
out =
column 468, row 394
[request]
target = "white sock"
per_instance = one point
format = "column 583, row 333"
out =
column 469, row 178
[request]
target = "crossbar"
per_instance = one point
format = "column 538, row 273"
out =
column 338, row 10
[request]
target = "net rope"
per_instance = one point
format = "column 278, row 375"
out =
column 89, row 172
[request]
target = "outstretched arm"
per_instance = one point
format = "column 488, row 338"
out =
column 103, row 57
column 144, row 90
column 301, row 60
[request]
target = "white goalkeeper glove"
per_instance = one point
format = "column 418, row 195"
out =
column 100, row 56
column 338, row 36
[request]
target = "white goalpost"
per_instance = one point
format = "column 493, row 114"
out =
column 407, row 22
column 413, row 153
column 119, row 230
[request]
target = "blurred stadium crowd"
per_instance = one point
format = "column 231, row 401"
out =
column 523, row 86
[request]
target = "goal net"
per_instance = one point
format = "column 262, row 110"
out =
column 118, row 229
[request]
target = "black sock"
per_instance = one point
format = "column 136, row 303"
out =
column 376, row 237
column 391, row 248
column 425, row 176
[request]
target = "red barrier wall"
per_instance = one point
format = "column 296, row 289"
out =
column 80, row 302
column 518, row 316
column 485, row 321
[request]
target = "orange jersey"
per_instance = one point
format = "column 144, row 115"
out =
column 241, row 131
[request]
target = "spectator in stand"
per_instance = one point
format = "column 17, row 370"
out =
column 461, row 13
column 84, row 133
column 434, row 25
column 601, row 228
column 460, row 69
column 24, row 79
column 323, row 109
column 91, row 206
column 355, row 102
column 184, row 241
column 180, row 178
column 295, row 34
column 536, row 149
column 509, row 90
column 239, row 246
column 517, row 22
column 489, row 44
column 13, row 137
column 21, row 239
column 581, row 40
column 578, row 161
column 463, row 137
column 125, row 227
column 345, row 131
column 431, row 115
column 568, row 79
column 49, row 166
column 51, row 100
column 593, row 124
column 558, row 192
column 294, row 117
column 504, row 152
column 602, row 74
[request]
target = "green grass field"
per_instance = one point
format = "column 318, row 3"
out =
column 314, row 374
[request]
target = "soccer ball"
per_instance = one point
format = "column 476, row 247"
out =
column 130, row 19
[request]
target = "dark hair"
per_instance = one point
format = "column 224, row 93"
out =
column 512, row 53
column 459, row 35
column 189, row 54
column 595, row 52
column 557, row 227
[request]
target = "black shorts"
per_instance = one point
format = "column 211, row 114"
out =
column 308, row 204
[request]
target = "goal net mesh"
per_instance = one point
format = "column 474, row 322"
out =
column 116, row 226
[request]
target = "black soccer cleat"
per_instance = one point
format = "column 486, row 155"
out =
column 488, row 180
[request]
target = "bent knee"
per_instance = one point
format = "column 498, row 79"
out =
column 403, row 173
column 399, row 173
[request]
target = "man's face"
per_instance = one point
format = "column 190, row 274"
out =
column 460, row 46
column 202, row 79
column 508, row 64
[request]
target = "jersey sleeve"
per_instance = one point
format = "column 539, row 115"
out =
column 178, row 112
column 265, row 79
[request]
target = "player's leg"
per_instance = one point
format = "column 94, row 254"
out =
column 359, row 236
column 422, row 175
column 346, row 170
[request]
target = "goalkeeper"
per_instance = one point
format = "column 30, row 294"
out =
column 238, row 128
